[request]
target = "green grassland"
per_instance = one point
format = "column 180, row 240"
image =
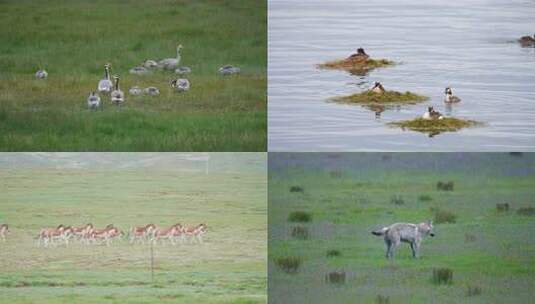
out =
column 230, row 267
column 485, row 248
column 73, row 40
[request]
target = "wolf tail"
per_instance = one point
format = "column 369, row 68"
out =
column 380, row 232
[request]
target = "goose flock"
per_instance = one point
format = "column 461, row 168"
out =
column 107, row 86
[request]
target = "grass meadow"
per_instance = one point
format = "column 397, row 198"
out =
column 73, row 39
column 322, row 208
column 230, row 267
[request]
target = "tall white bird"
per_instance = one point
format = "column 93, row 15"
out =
column 117, row 96
column 41, row 74
column 104, row 85
column 171, row 63
column 180, row 85
column 93, row 101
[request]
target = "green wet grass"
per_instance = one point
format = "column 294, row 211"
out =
column 369, row 98
column 72, row 40
column 447, row 124
column 499, row 259
column 229, row 268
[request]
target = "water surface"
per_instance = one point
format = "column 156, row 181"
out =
column 467, row 45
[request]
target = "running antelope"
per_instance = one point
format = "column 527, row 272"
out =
column 4, row 229
column 196, row 233
column 49, row 235
column 166, row 234
column 141, row 234
column 105, row 235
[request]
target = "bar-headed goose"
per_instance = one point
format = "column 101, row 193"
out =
column 41, row 74
column 449, row 98
column 171, row 63
column 117, row 96
column 104, row 85
column 180, row 84
column 153, row 91
column 135, row 91
column 229, row 70
column 93, row 101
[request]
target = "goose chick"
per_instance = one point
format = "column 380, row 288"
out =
column 139, row 70
column 378, row 88
column 229, row 70
column 105, row 86
column 150, row 64
column 93, row 101
column 153, row 91
column 117, row 96
column 183, row 70
column 171, row 63
column 41, row 74
column 180, row 84
column 449, row 98
column 135, row 91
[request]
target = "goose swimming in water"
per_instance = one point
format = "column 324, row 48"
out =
column 449, row 98
column 41, row 74
column 153, row 91
column 183, row 70
column 229, row 70
column 432, row 114
column 171, row 63
column 150, row 64
column 135, row 91
column 180, row 85
column 117, row 96
column 93, row 101
column 378, row 88
column 104, row 85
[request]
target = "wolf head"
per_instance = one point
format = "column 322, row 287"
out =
column 427, row 228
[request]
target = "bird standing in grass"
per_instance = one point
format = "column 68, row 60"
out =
column 229, row 70
column 93, row 101
column 41, row 74
column 104, row 85
column 180, row 84
column 153, row 91
column 117, row 96
column 171, row 63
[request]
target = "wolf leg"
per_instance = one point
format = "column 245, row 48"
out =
column 413, row 248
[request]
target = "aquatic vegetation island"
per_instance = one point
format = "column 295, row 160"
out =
column 385, row 98
column 359, row 63
column 435, row 126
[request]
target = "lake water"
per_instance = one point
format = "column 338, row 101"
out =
column 468, row 45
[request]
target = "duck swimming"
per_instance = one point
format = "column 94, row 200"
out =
column 378, row 88
column 432, row 114
column 449, row 98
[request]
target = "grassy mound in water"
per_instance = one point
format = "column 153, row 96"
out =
column 388, row 97
column 348, row 64
column 435, row 126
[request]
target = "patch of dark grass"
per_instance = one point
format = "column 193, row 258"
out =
column 502, row 207
column 529, row 211
column 473, row 291
column 336, row 277
column 397, row 200
column 468, row 238
column 443, row 216
column 300, row 232
column 335, row 174
column 425, row 198
column 388, row 97
column 516, row 154
column 442, row 276
column 332, row 253
column 289, row 264
column 435, row 126
column 445, row 186
column 300, row 216
column 380, row 299
column 296, row 189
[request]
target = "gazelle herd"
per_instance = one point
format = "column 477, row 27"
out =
column 88, row 234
